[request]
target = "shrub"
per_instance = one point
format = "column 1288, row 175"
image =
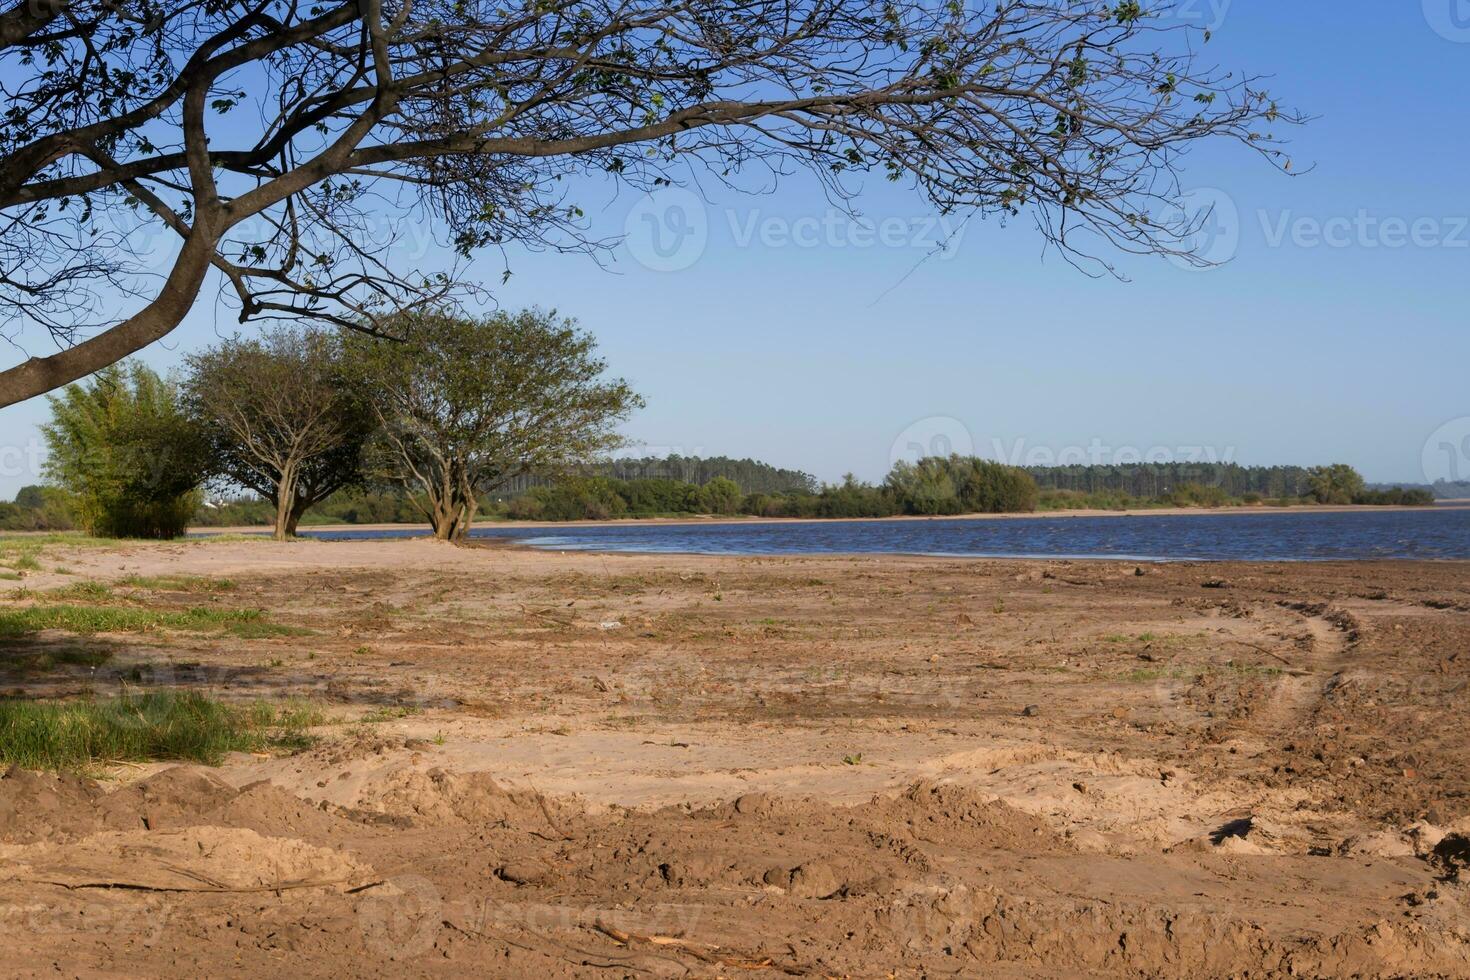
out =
column 1196, row 495
column 1396, row 496
column 126, row 454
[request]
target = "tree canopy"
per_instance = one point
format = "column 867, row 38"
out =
column 281, row 417
column 465, row 405
column 152, row 150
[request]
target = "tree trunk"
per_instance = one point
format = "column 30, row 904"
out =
column 283, row 529
column 285, row 504
column 294, row 520
column 442, row 518
column 466, row 517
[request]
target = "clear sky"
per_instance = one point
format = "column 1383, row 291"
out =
column 1336, row 332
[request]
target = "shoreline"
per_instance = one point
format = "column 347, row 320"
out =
column 307, row 530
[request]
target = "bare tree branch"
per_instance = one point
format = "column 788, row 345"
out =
column 280, row 150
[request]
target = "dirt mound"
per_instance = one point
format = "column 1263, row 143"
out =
column 957, row 815
column 197, row 859
column 268, row 809
column 438, row 798
column 172, row 798
column 43, row 807
column 936, row 878
column 37, row 806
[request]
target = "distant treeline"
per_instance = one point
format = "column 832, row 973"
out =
column 1441, row 489
column 956, row 485
column 752, row 475
column 937, row 486
column 37, row 508
column 1159, row 480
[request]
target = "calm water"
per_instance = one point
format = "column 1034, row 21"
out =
column 1439, row 532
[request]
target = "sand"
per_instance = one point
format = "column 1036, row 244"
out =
column 580, row 764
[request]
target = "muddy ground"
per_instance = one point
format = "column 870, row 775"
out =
column 609, row 765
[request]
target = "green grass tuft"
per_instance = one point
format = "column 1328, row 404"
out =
column 260, row 629
column 159, row 725
column 377, row 715
column 177, row 583
column 83, row 590
column 127, row 619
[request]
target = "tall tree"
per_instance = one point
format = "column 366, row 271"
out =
column 264, row 147
column 466, row 405
column 1338, row 483
column 127, row 454
column 282, row 418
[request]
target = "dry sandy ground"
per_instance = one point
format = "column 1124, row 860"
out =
column 576, row 764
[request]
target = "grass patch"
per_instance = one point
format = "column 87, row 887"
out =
column 22, row 552
column 68, row 538
column 177, row 583
column 85, row 620
column 159, row 725
column 262, row 629
column 235, row 537
column 83, row 590
column 378, row 715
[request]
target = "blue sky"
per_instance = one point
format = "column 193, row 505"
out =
column 1337, row 332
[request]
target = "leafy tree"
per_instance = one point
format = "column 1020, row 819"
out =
column 129, row 456
column 961, row 485
column 274, row 144
column 465, row 405
column 1335, row 484
column 32, row 497
column 282, row 418
column 722, row 496
column 924, row 487
column 44, row 508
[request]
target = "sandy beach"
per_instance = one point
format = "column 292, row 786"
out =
column 570, row 764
